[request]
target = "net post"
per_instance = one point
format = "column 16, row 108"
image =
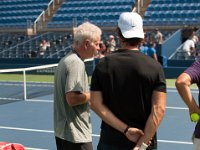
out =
column 24, row 76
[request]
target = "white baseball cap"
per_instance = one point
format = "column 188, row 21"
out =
column 131, row 25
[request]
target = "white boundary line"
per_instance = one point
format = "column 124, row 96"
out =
column 175, row 142
column 32, row 148
column 27, row 100
column 94, row 135
column 177, row 108
column 39, row 100
column 26, row 129
column 175, row 91
column 51, row 101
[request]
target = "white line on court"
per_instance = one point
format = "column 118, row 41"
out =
column 177, row 108
column 10, row 99
column 94, row 135
column 32, row 148
column 25, row 129
column 174, row 142
column 175, row 91
column 51, row 101
column 39, row 100
column 27, row 100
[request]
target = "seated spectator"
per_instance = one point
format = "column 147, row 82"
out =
column 152, row 51
column 43, row 47
column 188, row 48
column 33, row 54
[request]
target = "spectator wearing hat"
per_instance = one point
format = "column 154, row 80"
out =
column 128, row 91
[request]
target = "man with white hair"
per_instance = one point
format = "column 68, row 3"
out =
column 128, row 91
column 72, row 125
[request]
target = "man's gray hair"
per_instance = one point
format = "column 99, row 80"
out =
column 86, row 31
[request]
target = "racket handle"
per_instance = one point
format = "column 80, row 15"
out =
column 143, row 146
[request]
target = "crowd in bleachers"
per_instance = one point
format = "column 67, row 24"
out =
column 15, row 13
column 190, row 44
column 21, row 45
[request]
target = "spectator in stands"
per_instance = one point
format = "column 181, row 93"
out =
column 183, row 83
column 33, row 54
column 188, row 48
column 158, row 38
column 194, row 37
column 43, row 47
column 72, row 125
column 128, row 91
column 146, row 38
column 151, row 51
column 111, row 43
column 144, row 48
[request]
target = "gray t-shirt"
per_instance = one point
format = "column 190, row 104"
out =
column 71, row 123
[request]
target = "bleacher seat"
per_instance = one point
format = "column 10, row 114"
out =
column 99, row 12
column 18, row 12
column 178, row 12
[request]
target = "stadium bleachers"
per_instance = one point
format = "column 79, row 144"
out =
column 19, row 13
column 99, row 12
column 104, row 13
column 23, row 46
column 172, row 12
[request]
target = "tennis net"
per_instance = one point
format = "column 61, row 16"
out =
column 26, row 83
column 31, row 83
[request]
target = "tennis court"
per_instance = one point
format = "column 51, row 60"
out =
column 30, row 122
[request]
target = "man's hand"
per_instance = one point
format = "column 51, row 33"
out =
column 133, row 134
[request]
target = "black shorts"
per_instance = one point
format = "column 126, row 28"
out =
column 66, row 145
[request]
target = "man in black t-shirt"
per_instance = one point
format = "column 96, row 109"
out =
column 128, row 91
